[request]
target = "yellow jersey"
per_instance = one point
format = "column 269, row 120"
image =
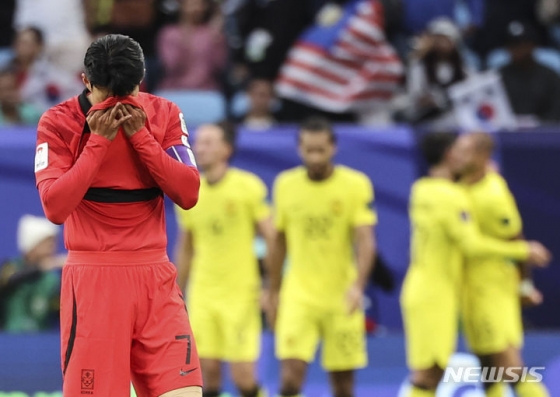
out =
column 318, row 218
column 222, row 225
column 443, row 234
column 496, row 215
column 494, row 207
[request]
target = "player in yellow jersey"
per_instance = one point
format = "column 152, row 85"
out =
column 493, row 288
column 443, row 233
column 216, row 260
column 324, row 225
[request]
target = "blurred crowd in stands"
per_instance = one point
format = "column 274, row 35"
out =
column 261, row 62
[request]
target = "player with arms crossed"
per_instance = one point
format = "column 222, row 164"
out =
column 443, row 234
column 104, row 160
column 492, row 288
column 216, row 259
column 324, row 221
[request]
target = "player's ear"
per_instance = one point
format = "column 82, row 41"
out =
column 86, row 82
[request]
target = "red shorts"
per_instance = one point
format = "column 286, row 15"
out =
column 123, row 318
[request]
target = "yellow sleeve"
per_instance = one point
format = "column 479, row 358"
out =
column 364, row 213
column 472, row 243
column 183, row 218
column 509, row 223
column 279, row 210
column 259, row 206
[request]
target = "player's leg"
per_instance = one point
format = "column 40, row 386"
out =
column 431, row 333
column 244, row 377
column 211, row 375
column 242, row 333
column 342, row 383
column 292, row 377
column 96, row 333
column 164, row 356
column 191, row 391
column 491, row 389
column 297, row 337
column 344, row 349
column 424, row 382
column 206, row 324
column 525, row 386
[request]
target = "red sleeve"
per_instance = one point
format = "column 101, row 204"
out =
column 179, row 181
column 62, row 185
column 53, row 157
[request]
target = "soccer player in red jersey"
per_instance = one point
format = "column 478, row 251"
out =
column 104, row 160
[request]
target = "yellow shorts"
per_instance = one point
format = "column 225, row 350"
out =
column 227, row 330
column 492, row 312
column 431, row 328
column 300, row 328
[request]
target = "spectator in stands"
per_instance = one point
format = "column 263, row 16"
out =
column 30, row 284
column 533, row 89
column 259, row 116
column 140, row 19
column 193, row 52
column 497, row 16
column 41, row 83
column 63, row 23
column 264, row 36
column 436, row 65
column 7, row 8
column 12, row 110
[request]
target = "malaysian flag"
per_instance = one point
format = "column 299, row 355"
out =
column 344, row 63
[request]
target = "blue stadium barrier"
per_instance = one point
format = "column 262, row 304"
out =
column 198, row 107
column 388, row 156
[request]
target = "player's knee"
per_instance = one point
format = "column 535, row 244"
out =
column 191, row 391
column 244, row 378
column 342, row 384
column 292, row 377
column 427, row 380
column 343, row 390
column 290, row 384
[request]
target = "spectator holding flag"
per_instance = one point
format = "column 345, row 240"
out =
column 435, row 66
column 343, row 63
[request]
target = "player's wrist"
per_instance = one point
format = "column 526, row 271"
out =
column 139, row 136
column 100, row 139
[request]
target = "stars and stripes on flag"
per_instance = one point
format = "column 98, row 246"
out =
column 343, row 65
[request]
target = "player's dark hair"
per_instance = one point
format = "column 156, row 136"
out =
column 115, row 62
column 38, row 33
column 315, row 125
column 229, row 134
column 435, row 145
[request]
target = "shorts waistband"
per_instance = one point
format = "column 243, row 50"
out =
column 117, row 257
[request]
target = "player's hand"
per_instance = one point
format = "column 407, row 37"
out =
column 535, row 298
column 354, row 298
column 107, row 122
column 539, row 255
column 136, row 121
column 271, row 308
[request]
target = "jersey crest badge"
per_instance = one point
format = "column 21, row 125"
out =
column 42, row 157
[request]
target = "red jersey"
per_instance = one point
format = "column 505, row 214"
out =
column 72, row 166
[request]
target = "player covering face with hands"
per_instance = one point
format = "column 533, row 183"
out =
column 104, row 161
